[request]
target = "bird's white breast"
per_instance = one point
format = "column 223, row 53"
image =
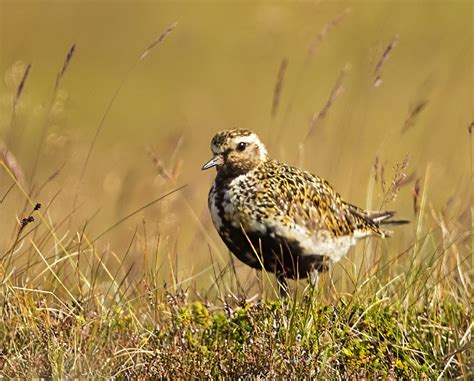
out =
column 216, row 218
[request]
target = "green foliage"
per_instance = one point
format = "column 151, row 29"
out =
column 293, row 337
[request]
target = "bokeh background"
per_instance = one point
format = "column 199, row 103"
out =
column 218, row 69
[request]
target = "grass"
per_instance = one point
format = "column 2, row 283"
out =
column 357, row 336
column 137, row 285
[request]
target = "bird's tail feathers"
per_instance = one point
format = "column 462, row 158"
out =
column 375, row 220
column 384, row 218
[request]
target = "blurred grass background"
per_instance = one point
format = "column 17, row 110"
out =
column 217, row 70
column 144, row 289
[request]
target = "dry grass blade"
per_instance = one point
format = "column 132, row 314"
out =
column 313, row 47
column 58, row 279
column 335, row 92
column 21, row 86
column 6, row 193
column 466, row 338
column 45, row 126
column 138, row 211
column 399, row 179
column 416, row 196
column 376, row 169
column 49, row 179
column 66, row 63
column 279, row 86
column 109, row 106
column 407, row 179
column 412, row 115
column 12, row 163
column 13, row 133
column 382, row 177
column 160, row 38
column 469, row 129
column 160, row 166
column 386, row 54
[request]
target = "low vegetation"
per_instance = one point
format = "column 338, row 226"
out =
column 364, row 335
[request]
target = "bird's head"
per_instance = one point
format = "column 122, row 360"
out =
column 236, row 152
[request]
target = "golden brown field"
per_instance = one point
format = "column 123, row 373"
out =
column 107, row 110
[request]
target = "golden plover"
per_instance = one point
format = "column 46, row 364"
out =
column 278, row 217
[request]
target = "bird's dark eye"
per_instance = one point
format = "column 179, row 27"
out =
column 241, row 146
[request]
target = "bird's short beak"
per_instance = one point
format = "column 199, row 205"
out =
column 216, row 160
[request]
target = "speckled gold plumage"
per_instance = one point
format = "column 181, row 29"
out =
column 279, row 217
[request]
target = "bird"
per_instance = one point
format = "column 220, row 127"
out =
column 280, row 218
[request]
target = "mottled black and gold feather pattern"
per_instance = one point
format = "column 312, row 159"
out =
column 271, row 213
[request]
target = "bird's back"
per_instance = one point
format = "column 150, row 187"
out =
column 301, row 198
